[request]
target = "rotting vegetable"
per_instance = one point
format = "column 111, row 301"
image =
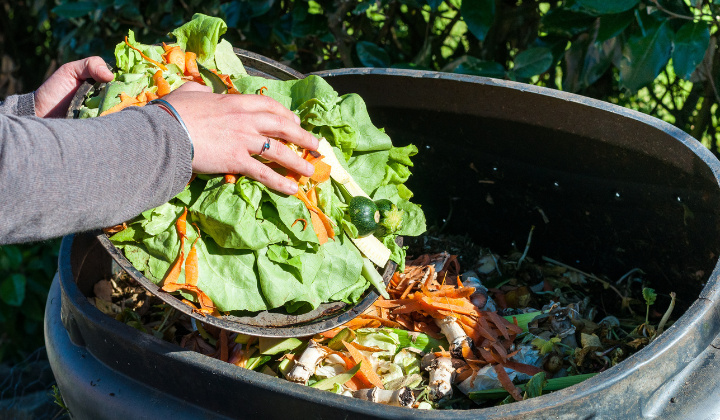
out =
column 254, row 249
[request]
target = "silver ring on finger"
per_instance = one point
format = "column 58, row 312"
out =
column 265, row 146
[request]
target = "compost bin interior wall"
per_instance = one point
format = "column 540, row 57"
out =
column 627, row 196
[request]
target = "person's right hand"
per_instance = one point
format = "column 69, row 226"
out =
column 227, row 130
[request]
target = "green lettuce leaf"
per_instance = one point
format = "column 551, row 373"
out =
column 200, row 35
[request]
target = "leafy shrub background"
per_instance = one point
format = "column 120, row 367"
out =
column 656, row 56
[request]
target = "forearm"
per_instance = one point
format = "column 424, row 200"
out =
column 61, row 176
column 20, row 105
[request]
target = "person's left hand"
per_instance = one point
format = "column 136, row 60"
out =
column 53, row 97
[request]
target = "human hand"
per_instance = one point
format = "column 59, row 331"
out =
column 227, row 130
column 53, row 97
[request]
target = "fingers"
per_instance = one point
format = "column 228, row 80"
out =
column 264, row 174
column 263, row 104
column 283, row 155
column 278, row 126
column 90, row 68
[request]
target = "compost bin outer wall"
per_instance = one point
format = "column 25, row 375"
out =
column 131, row 358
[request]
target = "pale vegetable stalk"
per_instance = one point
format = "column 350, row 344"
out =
column 306, row 363
column 667, row 314
column 402, row 397
column 442, row 374
column 454, row 333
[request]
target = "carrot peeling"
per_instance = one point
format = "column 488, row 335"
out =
column 366, row 371
column 304, row 222
column 163, row 87
column 145, row 57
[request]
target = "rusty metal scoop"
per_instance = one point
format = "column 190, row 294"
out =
column 275, row 323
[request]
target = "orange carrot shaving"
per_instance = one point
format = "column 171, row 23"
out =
column 523, row 368
column 433, row 307
column 150, row 96
column 383, row 321
column 383, row 303
column 191, row 265
column 366, row 369
column 322, row 172
column 507, row 382
column 174, row 55
column 454, row 293
column 173, row 273
column 161, row 65
column 304, row 222
column 262, row 90
column 163, row 87
column 312, row 196
column 230, row 179
column 125, row 101
column 367, row 348
column 326, row 222
column 395, row 279
column 191, row 68
column 318, row 227
column 406, row 292
column 500, row 322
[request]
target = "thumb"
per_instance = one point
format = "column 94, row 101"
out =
column 92, row 67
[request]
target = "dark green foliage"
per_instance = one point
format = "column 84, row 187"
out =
column 25, row 275
column 659, row 57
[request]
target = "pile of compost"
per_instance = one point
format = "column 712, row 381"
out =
column 463, row 328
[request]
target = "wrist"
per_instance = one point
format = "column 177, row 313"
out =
column 172, row 111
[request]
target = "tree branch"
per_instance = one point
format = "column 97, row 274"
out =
column 336, row 25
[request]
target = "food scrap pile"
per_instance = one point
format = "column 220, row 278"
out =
column 503, row 330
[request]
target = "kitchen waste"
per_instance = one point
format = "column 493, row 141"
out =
column 502, row 329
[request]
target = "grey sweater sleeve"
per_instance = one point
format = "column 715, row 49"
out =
column 60, row 176
column 21, row 105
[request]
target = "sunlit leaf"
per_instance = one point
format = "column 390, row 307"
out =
column 606, row 7
column 535, row 385
column 649, row 295
column 75, row 10
column 12, row 290
column 479, row 16
column 645, row 56
column 532, row 61
column 372, row 55
column 434, row 4
column 690, row 44
column 328, row 383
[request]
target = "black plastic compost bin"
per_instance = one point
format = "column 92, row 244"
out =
column 608, row 190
